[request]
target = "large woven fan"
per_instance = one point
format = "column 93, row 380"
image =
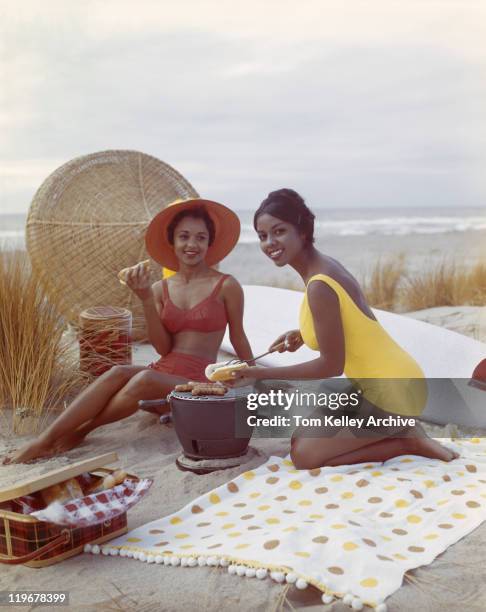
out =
column 87, row 221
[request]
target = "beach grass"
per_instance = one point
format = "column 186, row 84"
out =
column 39, row 364
column 390, row 285
column 446, row 284
column 382, row 287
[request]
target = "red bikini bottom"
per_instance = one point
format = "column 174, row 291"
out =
column 182, row 364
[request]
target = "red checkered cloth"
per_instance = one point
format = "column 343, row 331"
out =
column 96, row 508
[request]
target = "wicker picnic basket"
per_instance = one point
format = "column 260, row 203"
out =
column 104, row 339
column 26, row 540
column 87, row 221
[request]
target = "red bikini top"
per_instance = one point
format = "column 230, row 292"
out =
column 207, row 316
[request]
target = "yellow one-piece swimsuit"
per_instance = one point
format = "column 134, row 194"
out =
column 386, row 374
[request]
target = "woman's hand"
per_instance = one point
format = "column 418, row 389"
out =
column 245, row 377
column 292, row 340
column 137, row 278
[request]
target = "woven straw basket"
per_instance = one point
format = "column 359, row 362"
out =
column 87, row 221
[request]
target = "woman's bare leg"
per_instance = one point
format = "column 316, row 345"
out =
column 309, row 453
column 145, row 385
column 85, row 407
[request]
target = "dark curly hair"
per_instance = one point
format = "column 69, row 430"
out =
column 198, row 212
column 289, row 206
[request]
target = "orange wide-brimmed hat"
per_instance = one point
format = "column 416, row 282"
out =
column 226, row 234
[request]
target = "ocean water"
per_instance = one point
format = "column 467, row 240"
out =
column 384, row 222
column 331, row 223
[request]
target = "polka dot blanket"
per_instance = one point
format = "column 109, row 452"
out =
column 351, row 531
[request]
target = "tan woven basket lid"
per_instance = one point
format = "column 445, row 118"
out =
column 104, row 313
column 87, row 221
column 36, row 483
column 105, row 318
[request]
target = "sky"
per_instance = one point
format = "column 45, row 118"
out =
column 376, row 103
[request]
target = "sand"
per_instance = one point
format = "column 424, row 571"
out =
column 468, row 320
column 454, row 581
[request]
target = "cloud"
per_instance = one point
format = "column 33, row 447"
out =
column 342, row 100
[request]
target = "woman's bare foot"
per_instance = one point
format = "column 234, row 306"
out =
column 30, row 452
column 427, row 447
column 71, row 441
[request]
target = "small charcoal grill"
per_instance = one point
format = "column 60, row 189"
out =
column 212, row 429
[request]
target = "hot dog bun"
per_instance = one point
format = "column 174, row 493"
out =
column 222, row 371
column 122, row 275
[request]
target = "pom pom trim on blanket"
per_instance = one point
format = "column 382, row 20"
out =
column 237, row 567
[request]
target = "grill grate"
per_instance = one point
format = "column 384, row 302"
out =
column 231, row 395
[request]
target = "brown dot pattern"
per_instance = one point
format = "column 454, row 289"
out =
column 416, row 549
column 375, row 500
column 369, row 542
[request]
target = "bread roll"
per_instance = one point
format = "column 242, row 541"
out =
column 113, row 479
column 122, row 275
column 222, row 371
column 62, row 492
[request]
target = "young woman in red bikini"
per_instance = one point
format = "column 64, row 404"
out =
column 186, row 319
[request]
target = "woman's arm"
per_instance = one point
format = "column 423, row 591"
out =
column 158, row 336
column 138, row 280
column 234, row 304
column 326, row 314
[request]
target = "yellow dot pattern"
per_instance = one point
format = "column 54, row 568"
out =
column 360, row 527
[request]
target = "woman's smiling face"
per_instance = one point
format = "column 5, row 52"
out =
column 191, row 241
column 279, row 240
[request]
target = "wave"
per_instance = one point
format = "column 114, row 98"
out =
column 353, row 226
column 386, row 226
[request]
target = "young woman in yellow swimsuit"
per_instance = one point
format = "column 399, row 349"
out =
column 336, row 321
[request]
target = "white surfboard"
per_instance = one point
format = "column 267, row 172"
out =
column 441, row 353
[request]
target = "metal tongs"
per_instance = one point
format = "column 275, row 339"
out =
column 238, row 361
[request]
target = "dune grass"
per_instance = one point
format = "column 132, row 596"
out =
column 391, row 286
column 39, row 366
column 382, row 288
